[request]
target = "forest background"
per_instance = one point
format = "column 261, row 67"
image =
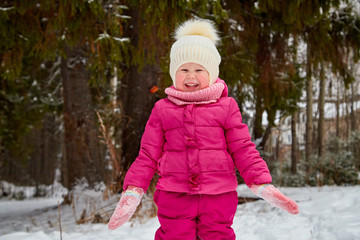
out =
column 78, row 80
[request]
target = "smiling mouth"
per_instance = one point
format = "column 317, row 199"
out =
column 191, row 85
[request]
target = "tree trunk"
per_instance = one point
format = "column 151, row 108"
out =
column 278, row 146
column 309, row 110
column 347, row 116
column 136, row 98
column 321, row 122
column 337, row 105
column 46, row 148
column 82, row 152
column 271, row 118
column 352, row 113
column 137, row 109
column 294, row 143
column 258, row 130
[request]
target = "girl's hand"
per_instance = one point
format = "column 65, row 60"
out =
column 126, row 207
column 269, row 193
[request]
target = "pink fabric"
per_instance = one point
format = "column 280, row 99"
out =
column 207, row 95
column 126, row 207
column 188, row 217
column 195, row 148
column 272, row 195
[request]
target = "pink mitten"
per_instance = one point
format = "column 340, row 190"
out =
column 269, row 193
column 126, row 207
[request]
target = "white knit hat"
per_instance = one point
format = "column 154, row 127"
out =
column 196, row 40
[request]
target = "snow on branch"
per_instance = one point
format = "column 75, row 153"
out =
column 105, row 35
column 7, row 8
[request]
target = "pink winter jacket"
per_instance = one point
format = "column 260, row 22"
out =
column 195, row 148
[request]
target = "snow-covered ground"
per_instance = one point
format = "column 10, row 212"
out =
column 327, row 213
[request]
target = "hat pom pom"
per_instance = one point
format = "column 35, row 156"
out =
column 200, row 27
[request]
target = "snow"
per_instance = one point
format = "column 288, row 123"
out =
column 6, row 9
column 105, row 35
column 122, row 39
column 326, row 213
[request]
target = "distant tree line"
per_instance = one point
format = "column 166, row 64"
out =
column 68, row 66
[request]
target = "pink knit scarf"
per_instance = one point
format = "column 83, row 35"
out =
column 207, row 95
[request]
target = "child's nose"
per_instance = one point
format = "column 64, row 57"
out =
column 192, row 75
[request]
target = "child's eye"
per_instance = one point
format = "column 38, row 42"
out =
column 183, row 70
column 199, row 70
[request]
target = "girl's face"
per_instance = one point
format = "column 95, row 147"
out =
column 191, row 77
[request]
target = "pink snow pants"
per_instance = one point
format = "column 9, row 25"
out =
column 191, row 217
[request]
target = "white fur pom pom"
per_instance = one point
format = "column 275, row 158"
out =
column 200, row 27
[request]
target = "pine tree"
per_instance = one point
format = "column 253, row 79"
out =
column 331, row 38
column 88, row 37
column 261, row 35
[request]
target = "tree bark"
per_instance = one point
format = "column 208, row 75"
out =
column 309, row 109
column 347, row 116
column 46, row 148
column 352, row 113
column 258, row 130
column 321, row 139
column 82, row 153
column 294, row 143
column 136, row 97
column 271, row 118
column 138, row 107
column 337, row 105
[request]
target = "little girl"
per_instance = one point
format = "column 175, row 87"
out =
column 193, row 140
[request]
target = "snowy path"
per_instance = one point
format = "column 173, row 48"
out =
column 328, row 213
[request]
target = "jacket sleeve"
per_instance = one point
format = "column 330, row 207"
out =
column 243, row 151
column 145, row 165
